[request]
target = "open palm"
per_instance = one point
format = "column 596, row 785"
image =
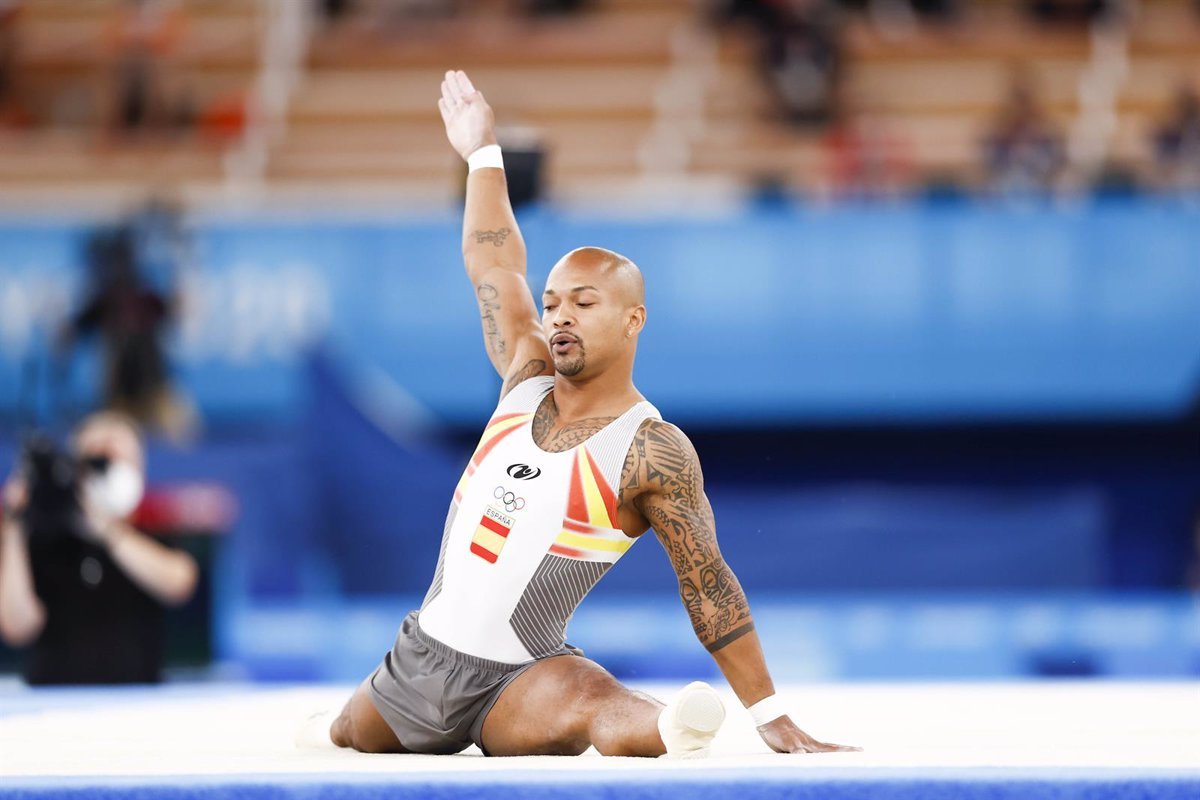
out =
column 469, row 121
column 782, row 736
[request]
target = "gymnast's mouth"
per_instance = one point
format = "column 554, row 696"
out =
column 562, row 342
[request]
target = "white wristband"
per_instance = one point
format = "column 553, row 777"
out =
column 486, row 156
column 767, row 710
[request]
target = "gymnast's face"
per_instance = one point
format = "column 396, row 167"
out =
column 592, row 311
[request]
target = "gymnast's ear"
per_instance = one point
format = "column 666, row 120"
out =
column 635, row 320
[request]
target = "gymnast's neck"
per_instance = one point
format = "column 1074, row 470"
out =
column 608, row 394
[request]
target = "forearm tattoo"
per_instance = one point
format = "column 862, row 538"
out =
column 489, row 304
column 496, row 237
column 663, row 471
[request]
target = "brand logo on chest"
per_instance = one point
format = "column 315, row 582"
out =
column 523, row 472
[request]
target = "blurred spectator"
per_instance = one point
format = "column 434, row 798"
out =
column 1192, row 576
column 131, row 303
column 940, row 10
column 384, row 17
column 1177, row 142
column 334, row 11
column 1072, row 12
column 12, row 111
column 1023, row 150
column 899, row 16
column 223, row 119
column 143, row 34
column 77, row 581
column 1192, row 570
column 546, row 8
column 10, row 10
column 865, row 159
column 1116, row 179
column 801, row 52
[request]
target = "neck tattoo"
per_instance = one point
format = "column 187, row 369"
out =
column 570, row 435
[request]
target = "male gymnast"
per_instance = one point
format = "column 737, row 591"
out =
column 572, row 468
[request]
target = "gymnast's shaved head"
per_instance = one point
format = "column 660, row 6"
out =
column 594, row 309
column 621, row 274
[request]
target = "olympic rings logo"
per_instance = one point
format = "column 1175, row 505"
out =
column 511, row 501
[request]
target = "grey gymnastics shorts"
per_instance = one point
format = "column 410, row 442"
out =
column 435, row 698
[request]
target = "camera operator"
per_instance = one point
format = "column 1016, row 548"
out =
column 77, row 581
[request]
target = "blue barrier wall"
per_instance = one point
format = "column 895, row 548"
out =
column 332, row 345
column 805, row 637
column 926, row 313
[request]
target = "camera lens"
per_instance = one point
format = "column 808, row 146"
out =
column 96, row 463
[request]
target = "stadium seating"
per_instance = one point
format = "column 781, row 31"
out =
column 629, row 95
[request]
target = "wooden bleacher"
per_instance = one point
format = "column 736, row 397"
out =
column 65, row 62
column 587, row 85
column 599, row 89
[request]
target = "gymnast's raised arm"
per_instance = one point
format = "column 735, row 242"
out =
column 663, row 475
column 493, row 249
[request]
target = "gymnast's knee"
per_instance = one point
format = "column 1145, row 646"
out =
column 592, row 690
column 341, row 732
column 568, row 705
column 346, row 733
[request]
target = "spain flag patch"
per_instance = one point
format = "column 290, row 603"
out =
column 491, row 534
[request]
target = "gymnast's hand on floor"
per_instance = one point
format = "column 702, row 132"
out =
column 783, row 736
column 470, row 123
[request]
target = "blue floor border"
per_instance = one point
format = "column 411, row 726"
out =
column 589, row 784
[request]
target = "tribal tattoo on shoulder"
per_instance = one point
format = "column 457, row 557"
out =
column 533, row 367
column 662, row 473
column 570, row 435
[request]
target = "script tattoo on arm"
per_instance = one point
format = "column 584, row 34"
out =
column 489, row 304
column 496, row 237
column 665, row 471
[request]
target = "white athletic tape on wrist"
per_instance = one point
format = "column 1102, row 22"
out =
column 486, row 156
column 767, row 710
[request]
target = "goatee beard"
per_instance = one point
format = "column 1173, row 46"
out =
column 569, row 369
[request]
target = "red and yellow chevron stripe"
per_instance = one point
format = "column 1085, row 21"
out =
column 590, row 529
column 497, row 428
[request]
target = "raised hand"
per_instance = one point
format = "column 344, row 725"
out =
column 783, row 736
column 469, row 121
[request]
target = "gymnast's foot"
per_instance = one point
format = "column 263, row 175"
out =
column 690, row 721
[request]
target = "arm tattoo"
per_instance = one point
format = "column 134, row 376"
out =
column 730, row 637
column 665, row 472
column 533, row 367
column 496, row 237
column 489, row 304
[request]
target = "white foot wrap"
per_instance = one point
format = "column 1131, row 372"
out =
column 690, row 721
column 314, row 733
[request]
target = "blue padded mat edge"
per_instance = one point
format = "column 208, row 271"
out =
column 702, row 784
